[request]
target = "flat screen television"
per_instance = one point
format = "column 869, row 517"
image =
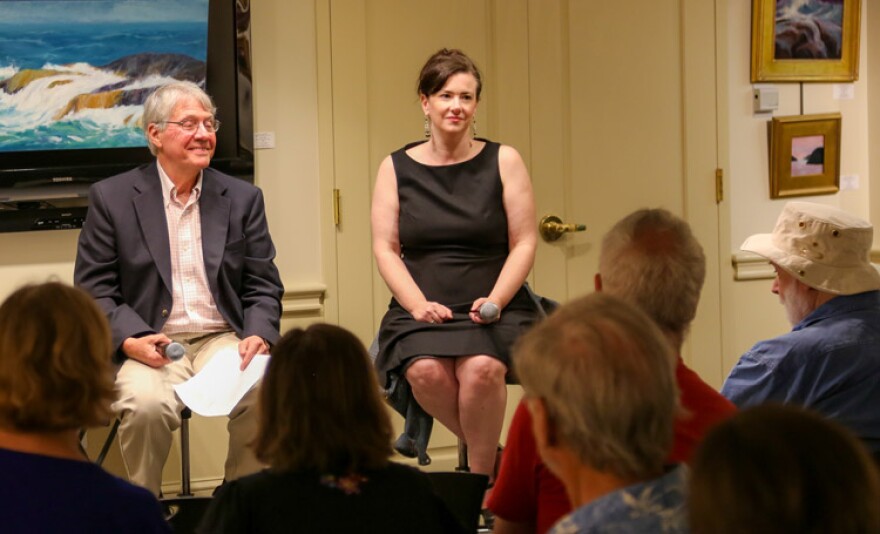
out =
column 73, row 78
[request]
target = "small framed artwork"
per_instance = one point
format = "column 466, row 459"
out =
column 805, row 40
column 805, row 155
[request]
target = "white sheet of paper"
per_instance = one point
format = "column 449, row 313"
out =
column 218, row 387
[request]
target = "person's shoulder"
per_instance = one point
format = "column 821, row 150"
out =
column 130, row 504
column 228, row 181
column 127, row 179
column 506, row 153
column 121, row 489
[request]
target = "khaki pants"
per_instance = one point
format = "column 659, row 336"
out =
column 149, row 411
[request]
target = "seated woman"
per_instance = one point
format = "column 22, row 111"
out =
column 783, row 469
column 453, row 222
column 326, row 436
column 55, row 378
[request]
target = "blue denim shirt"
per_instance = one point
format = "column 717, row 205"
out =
column 654, row 506
column 829, row 362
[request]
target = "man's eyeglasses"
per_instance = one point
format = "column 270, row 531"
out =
column 191, row 125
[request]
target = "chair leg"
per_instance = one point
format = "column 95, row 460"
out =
column 462, row 457
column 185, row 416
column 106, row 447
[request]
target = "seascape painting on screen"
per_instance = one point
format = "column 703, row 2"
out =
column 74, row 73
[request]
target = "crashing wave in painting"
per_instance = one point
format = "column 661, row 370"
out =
column 809, row 29
column 74, row 74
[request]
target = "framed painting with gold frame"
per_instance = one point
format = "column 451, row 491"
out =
column 805, row 155
column 805, row 40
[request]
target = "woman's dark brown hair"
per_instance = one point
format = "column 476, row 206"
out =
column 441, row 66
column 783, row 469
column 320, row 407
column 55, row 349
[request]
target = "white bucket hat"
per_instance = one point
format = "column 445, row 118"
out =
column 823, row 247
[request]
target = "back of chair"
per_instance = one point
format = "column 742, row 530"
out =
column 463, row 495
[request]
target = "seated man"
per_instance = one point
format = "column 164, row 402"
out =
column 174, row 250
column 599, row 381
column 830, row 361
column 652, row 260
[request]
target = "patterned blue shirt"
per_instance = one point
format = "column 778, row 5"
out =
column 654, row 506
column 829, row 362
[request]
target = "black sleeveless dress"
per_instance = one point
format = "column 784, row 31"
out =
column 453, row 239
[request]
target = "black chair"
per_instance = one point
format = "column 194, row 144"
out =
column 462, row 493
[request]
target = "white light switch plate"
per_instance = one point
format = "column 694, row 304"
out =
column 264, row 140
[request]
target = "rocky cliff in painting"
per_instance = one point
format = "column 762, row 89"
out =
column 131, row 79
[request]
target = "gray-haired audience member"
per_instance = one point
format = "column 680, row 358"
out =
column 651, row 259
column 599, row 382
column 830, row 361
column 785, row 470
column 56, row 378
column 177, row 251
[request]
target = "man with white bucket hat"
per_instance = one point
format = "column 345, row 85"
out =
column 830, row 361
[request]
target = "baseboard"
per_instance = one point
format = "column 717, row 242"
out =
column 200, row 486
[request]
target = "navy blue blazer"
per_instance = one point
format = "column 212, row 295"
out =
column 123, row 257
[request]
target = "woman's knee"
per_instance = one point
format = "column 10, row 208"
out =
column 483, row 372
column 426, row 373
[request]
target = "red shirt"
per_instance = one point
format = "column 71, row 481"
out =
column 527, row 492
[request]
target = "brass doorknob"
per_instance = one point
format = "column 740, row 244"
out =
column 552, row 228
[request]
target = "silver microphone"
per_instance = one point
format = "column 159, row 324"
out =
column 489, row 312
column 173, row 351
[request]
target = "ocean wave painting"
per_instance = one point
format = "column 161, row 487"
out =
column 75, row 73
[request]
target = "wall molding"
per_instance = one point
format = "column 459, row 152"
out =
column 750, row 266
column 303, row 300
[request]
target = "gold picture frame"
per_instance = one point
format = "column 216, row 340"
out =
column 805, row 155
column 813, row 45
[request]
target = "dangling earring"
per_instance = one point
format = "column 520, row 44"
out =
column 474, row 126
column 427, row 127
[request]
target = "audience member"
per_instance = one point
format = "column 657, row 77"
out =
column 652, row 260
column 176, row 251
column 599, row 381
column 326, row 435
column 830, row 360
column 56, row 378
column 786, row 470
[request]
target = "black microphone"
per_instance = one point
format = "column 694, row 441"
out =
column 173, row 351
column 489, row 312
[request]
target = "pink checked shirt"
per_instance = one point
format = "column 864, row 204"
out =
column 194, row 309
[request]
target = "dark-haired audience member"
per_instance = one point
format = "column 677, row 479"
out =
column 55, row 378
column 830, row 360
column 599, row 381
column 652, row 260
column 786, row 470
column 326, row 435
